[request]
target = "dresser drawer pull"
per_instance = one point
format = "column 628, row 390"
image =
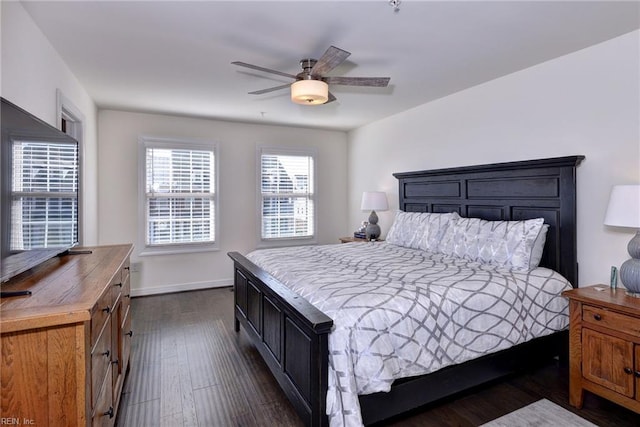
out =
column 628, row 371
column 127, row 296
column 130, row 333
column 597, row 317
column 118, row 284
column 109, row 412
column 107, row 309
column 127, row 268
column 637, row 374
column 106, row 353
column 114, row 362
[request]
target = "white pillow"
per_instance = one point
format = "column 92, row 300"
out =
column 538, row 247
column 419, row 230
column 516, row 245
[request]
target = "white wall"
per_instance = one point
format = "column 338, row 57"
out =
column 31, row 72
column 118, row 191
column 583, row 103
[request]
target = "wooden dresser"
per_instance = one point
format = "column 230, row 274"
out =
column 65, row 348
column 604, row 345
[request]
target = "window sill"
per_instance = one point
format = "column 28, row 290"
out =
column 279, row 243
column 177, row 250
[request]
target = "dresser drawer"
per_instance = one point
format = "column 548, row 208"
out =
column 126, row 268
column 128, row 334
column 119, row 283
column 116, row 292
column 122, row 288
column 100, row 314
column 610, row 319
column 100, row 361
column 126, row 283
column 103, row 412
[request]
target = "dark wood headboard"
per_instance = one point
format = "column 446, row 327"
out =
column 544, row 188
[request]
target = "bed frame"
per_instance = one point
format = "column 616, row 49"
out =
column 291, row 334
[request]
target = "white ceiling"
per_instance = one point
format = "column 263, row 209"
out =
column 175, row 56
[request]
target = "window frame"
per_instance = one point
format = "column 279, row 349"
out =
column 145, row 142
column 75, row 196
column 285, row 151
column 69, row 112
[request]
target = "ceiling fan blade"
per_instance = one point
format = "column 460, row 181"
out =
column 266, row 70
column 271, row 89
column 358, row 81
column 331, row 98
column 329, row 60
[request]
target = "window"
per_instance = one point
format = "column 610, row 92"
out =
column 179, row 188
column 287, row 194
column 44, row 194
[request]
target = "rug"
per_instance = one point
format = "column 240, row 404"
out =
column 539, row 414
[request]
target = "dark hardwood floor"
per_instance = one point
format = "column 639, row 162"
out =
column 189, row 368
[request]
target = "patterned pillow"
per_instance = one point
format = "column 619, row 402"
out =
column 509, row 244
column 419, row 230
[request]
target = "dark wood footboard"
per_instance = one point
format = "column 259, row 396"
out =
column 290, row 334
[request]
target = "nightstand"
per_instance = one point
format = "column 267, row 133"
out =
column 604, row 345
column 355, row 239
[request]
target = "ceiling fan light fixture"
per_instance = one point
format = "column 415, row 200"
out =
column 309, row 92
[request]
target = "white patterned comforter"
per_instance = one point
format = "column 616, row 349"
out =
column 401, row 312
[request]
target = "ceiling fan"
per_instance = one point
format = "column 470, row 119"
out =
column 311, row 85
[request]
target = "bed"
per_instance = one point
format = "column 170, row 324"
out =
column 292, row 334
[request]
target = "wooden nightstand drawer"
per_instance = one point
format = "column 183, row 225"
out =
column 612, row 320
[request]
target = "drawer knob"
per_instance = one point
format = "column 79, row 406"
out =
column 114, row 362
column 118, row 284
column 597, row 317
column 130, row 333
column 628, row 370
column 127, row 268
column 637, row 374
column 107, row 309
column 127, row 296
column 106, row 353
column 109, row 412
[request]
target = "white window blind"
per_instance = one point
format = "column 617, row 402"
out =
column 287, row 190
column 180, row 196
column 44, row 190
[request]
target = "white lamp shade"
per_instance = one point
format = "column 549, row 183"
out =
column 374, row 201
column 309, row 92
column 624, row 207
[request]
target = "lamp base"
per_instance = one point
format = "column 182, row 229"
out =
column 373, row 229
column 630, row 269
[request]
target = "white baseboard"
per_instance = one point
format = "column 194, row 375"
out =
column 181, row 287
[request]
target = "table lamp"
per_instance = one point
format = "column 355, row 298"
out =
column 373, row 201
column 624, row 211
